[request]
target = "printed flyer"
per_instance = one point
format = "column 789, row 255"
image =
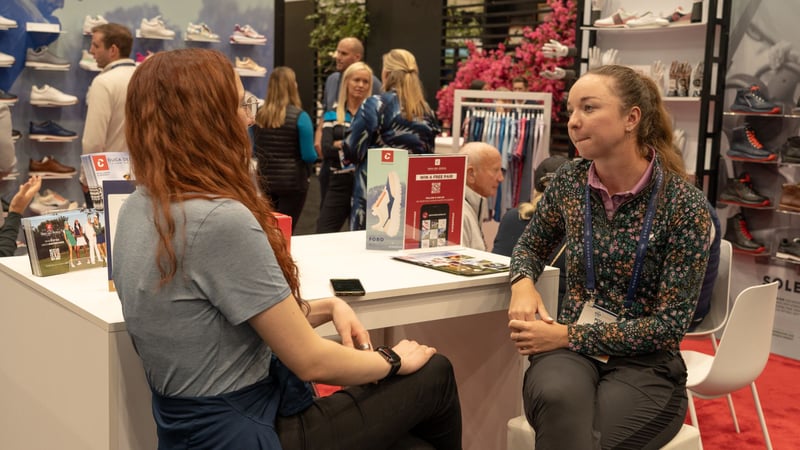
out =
column 387, row 173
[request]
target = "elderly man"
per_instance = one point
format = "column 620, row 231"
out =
column 484, row 175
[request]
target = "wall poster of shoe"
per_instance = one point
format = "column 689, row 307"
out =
column 761, row 124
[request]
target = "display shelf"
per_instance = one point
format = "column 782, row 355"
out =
column 774, row 162
column 641, row 30
column 139, row 36
column 232, row 42
column 792, row 115
column 250, row 73
column 53, row 140
column 3, row 66
column 43, row 27
column 201, row 41
column 681, row 99
column 52, row 69
column 740, row 205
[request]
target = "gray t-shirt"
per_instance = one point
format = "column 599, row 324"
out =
column 192, row 333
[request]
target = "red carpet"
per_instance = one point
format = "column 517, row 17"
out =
column 779, row 391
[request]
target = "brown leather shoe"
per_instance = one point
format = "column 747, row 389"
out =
column 48, row 164
column 790, row 197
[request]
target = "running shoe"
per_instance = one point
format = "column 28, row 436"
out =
column 42, row 58
column 155, row 29
column 50, row 96
column 247, row 35
column 90, row 22
column 200, row 33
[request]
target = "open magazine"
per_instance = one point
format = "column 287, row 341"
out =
column 454, row 261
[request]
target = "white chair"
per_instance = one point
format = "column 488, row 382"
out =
column 741, row 356
column 717, row 316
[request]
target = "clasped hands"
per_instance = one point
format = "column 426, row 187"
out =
column 532, row 335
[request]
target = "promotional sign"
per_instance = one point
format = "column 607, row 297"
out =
column 434, row 200
column 387, row 173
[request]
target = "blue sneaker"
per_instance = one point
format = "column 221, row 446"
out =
column 751, row 101
column 50, row 131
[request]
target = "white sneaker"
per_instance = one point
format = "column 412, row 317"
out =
column 200, row 33
column 6, row 59
column 647, row 20
column 88, row 62
column 247, row 67
column 52, row 198
column 247, row 35
column 616, row 20
column 6, row 23
column 155, row 29
column 90, row 22
column 50, row 96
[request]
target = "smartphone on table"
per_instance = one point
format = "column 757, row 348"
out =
column 347, row 287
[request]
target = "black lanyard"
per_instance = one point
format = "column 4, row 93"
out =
column 641, row 247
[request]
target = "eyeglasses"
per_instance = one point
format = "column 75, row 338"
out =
column 250, row 106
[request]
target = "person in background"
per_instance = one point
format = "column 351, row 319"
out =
column 10, row 229
column 398, row 118
column 609, row 373
column 210, row 295
column 349, row 50
column 283, row 144
column 484, row 174
column 8, row 154
column 336, row 201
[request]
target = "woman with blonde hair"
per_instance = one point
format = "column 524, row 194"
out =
column 337, row 199
column 283, row 144
column 210, row 294
column 399, row 118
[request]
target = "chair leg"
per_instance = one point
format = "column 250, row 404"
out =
column 733, row 412
column 692, row 412
column 761, row 415
column 714, row 342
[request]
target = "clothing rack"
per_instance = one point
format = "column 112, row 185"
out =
column 479, row 103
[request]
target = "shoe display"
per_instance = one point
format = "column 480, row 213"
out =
column 52, row 198
column 41, row 58
column 739, row 236
column 6, row 23
column 745, row 146
column 790, row 197
column 679, row 15
column 789, row 249
column 790, row 150
column 88, row 62
column 6, row 59
column 49, row 165
column 200, row 33
column 50, row 96
column 739, row 191
column 50, row 131
column 90, row 22
column 247, row 67
column 7, row 98
column 616, row 20
column 247, row 35
column 647, row 20
column 155, row 29
column 752, row 101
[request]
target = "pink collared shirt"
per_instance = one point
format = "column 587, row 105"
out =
column 611, row 202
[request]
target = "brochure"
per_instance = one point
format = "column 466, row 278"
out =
column 454, row 261
column 434, row 200
column 64, row 241
column 115, row 192
column 387, row 170
column 98, row 167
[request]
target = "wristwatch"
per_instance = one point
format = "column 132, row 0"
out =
column 392, row 358
column 516, row 278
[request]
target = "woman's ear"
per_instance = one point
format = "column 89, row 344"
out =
column 633, row 118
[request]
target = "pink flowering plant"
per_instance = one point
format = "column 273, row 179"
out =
column 498, row 67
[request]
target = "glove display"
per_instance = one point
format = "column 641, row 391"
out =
column 680, row 74
column 696, row 88
column 657, row 74
column 598, row 58
column 555, row 49
column 558, row 74
column 679, row 139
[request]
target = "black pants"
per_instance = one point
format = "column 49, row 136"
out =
column 575, row 402
column 417, row 411
column 290, row 203
column 335, row 208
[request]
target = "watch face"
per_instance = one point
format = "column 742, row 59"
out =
column 389, row 354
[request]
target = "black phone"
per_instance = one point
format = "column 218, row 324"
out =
column 433, row 225
column 347, row 287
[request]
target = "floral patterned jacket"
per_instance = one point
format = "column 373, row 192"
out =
column 672, row 274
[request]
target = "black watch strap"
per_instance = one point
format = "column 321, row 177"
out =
column 516, row 278
column 392, row 358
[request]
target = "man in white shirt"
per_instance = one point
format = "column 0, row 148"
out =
column 105, row 118
column 484, row 175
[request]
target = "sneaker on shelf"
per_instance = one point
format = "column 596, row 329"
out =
column 790, row 197
column 789, row 249
column 7, row 98
column 140, row 58
column 50, row 96
column 90, row 22
column 647, row 20
column 790, row 150
column 155, row 29
column 739, row 191
column 745, row 146
column 740, row 238
column 88, row 62
column 200, row 33
column 246, row 66
column 6, row 23
column 15, row 135
column 752, row 101
column 50, row 131
column 246, row 35
column 616, row 20
column 48, row 166
column 41, row 58
column 6, row 59
column 679, row 15
column 53, row 198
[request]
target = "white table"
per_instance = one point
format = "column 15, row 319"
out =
column 70, row 372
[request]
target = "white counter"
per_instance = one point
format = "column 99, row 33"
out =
column 70, row 371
